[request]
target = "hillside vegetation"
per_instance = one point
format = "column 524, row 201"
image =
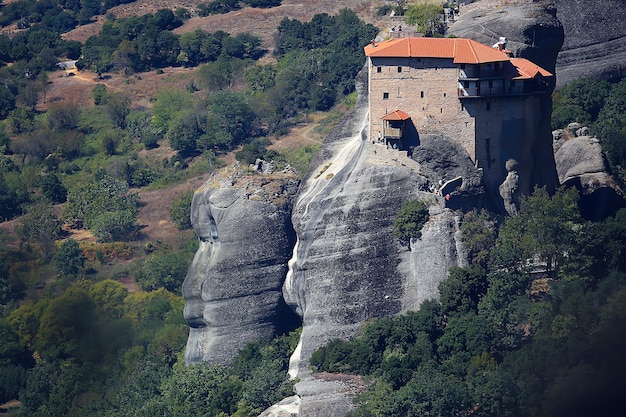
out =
column 95, row 195
column 533, row 326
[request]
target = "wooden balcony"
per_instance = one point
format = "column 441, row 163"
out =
column 392, row 133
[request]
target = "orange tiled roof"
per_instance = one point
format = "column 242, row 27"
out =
column 396, row 115
column 462, row 51
column 527, row 69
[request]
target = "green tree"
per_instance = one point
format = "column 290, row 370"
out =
column 242, row 46
column 588, row 93
column 461, row 292
column 230, row 118
column 168, row 104
column 7, row 101
column 114, row 225
column 192, row 388
column 220, row 74
column 5, row 282
column 9, row 202
column 478, row 236
column 260, row 77
column 610, row 127
column 410, row 219
column 64, row 116
column 426, row 17
column 51, row 388
column 109, row 296
column 164, row 270
column 180, row 212
column 69, row 259
column 185, row 129
column 40, row 226
column 99, row 93
column 52, row 188
column 107, row 196
column 118, row 107
column 67, row 327
column 545, row 228
column 139, row 128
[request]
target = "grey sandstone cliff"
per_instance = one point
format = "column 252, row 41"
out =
column 233, row 289
column 328, row 252
column 347, row 267
column 595, row 39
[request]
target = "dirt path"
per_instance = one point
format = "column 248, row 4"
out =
column 154, row 214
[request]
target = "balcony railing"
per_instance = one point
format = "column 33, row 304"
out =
column 500, row 90
column 469, row 73
column 392, row 133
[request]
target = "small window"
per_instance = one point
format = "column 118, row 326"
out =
column 385, row 96
column 462, row 107
column 421, row 94
column 488, row 106
column 399, row 69
column 441, row 110
column 379, row 69
column 444, row 94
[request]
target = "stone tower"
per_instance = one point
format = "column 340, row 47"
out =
column 476, row 95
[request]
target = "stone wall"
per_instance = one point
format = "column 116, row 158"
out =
column 492, row 130
column 426, row 89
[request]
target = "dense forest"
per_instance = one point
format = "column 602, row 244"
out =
column 533, row 326
column 601, row 106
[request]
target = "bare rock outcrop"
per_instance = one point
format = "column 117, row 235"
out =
column 331, row 245
column 347, row 267
column 233, row 289
column 595, row 39
column 580, row 163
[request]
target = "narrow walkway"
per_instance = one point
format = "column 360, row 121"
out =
column 380, row 154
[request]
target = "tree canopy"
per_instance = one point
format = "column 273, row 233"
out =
column 523, row 334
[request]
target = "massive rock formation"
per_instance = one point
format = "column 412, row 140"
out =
column 595, row 39
column 347, row 267
column 580, row 163
column 336, row 258
column 233, row 289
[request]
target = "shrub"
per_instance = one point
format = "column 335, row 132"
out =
column 69, row 260
column 180, row 212
column 115, row 225
column 99, row 93
column 164, row 271
column 411, row 218
column 53, row 189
